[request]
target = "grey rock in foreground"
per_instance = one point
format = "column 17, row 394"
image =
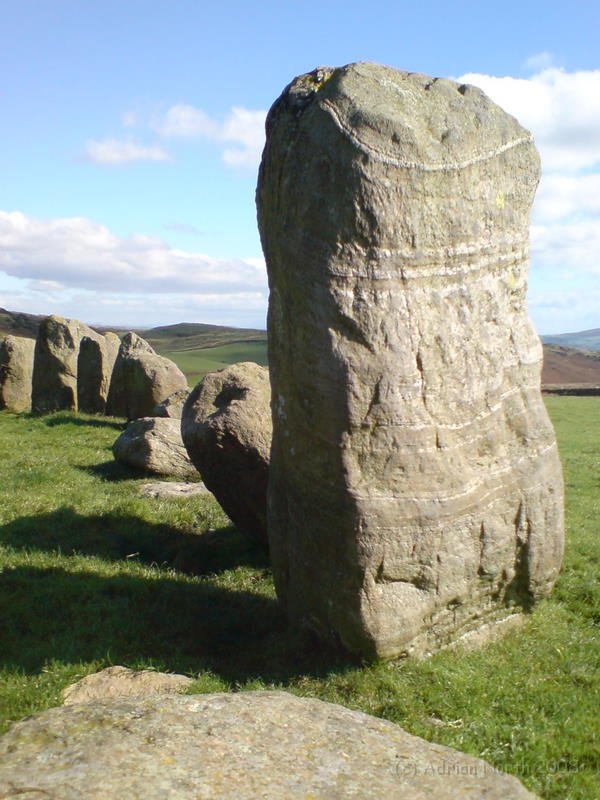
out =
column 226, row 429
column 162, row 489
column 240, row 746
column 123, row 682
column 415, row 490
column 16, row 367
column 54, row 381
column 96, row 359
column 172, row 406
column 141, row 379
column 154, row 444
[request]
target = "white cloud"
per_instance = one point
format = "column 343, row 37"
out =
column 78, row 253
column 113, row 151
column 539, row 61
column 129, row 119
column 562, row 109
column 241, row 134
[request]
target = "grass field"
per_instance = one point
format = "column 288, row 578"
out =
column 92, row 574
column 197, row 362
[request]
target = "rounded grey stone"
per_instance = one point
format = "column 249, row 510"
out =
column 240, row 746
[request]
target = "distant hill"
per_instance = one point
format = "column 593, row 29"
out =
column 195, row 335
column 17, row 323
column 583, row 340
column 198, row 347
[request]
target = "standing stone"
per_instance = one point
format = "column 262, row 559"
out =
column 226, row 429
column 95, row 363
column 415, row 490
column 16, row 367
column 141, row 379
column 54, row 383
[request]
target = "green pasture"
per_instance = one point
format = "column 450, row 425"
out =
column 93, row 574
column 197, row 362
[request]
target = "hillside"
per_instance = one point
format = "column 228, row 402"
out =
column 582, row 340
column 198, row 348
column 195, row 335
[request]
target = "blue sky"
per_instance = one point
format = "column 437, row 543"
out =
column 131, row 133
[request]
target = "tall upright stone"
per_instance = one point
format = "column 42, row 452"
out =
column 141, row 379
column 97, row 356
column 16, row 367
column 54, row 382
column 415, row 490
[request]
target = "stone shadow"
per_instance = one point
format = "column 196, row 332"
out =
column 176, row 624
column 70, row 418
column 116, row 537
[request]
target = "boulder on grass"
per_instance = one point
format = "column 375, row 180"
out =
column 153, row 444
column 226, row 429
column 123, row 682
column 237, row 746
column 16, row 368
column 141, row 379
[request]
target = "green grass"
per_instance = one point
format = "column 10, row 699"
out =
column 196, row 363
column 92, row 574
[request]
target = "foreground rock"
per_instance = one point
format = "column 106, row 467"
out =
column 141, row 379
column 16, row 367
column 154, row 444
column 54, row 381
column 239, row 746
column 173, row 405
column 123, row 682
column 97, row 356
column 226, row 429
column 415, row 491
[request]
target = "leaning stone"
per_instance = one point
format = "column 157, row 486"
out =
column 172, row 406
column 153, row 444
column 95, row 363
column 141, row 379
column 123, row 682
column 238, row 746
column 54, row 382
column 226, row 428
column 16, row 367
column 415, row 490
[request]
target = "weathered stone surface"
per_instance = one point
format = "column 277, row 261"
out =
column 415, row 491
column 160, row 489
column 226, row 428
column 141, row 379
column 172, row 406
column 123, row 682
column 153, row 444
column 16, row 367
column 54, row 382
column 239, row 746
column 95, row 364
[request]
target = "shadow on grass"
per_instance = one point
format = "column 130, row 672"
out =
column 71, row 418
column 114, row 471
column 183, row 626
column 115, row 537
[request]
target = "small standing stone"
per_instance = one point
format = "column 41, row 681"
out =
column 16, row 367
column 54, row 382
column 141, row 379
